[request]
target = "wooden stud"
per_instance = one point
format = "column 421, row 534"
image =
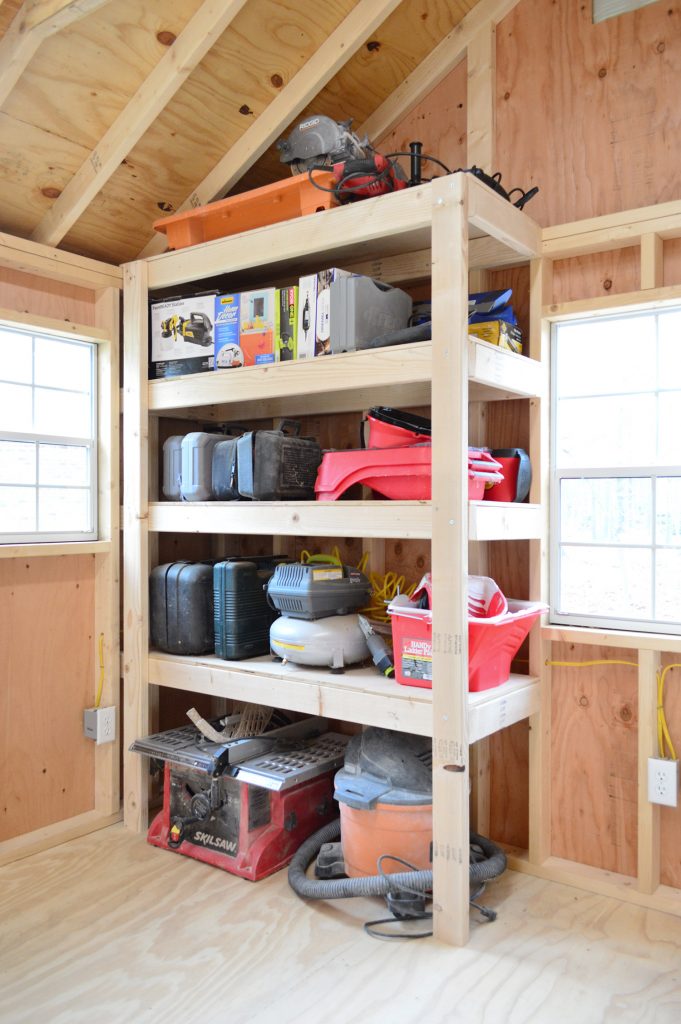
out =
column 652, row 261
column 188, row 50
column 612, row 231
column 648, row 860
column 362, row 20
column 449, row 560
column 540, row 649
column 435, row 67
column 107, row 617
column 34, row 22
column 136, row 542
column 481, row 99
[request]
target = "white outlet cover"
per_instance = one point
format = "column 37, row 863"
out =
column 663, row 781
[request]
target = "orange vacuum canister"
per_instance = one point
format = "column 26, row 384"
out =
column 386, row 803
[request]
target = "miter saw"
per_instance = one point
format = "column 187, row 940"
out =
column 320, row 143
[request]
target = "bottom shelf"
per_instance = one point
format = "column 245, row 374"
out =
column 359, row 695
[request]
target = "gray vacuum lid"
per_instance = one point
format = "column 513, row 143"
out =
column 385, row 766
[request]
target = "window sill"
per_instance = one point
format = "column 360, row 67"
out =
column 87, row 547
column 613, row 638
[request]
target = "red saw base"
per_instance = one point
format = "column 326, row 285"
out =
column 253, row 833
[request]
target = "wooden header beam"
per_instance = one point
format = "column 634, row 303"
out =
column 33, row 258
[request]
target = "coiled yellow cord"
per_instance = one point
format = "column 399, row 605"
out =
column 663, row 737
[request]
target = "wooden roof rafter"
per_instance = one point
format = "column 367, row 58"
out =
column 365, row 17
column 35, row 21
column 155, row 92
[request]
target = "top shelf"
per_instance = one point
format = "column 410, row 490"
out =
column 372, row 229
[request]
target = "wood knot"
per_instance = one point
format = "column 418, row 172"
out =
column 660, row 48
column 626, row 714
column 277, row 81
column 245, row 109
column 165, row 37
column 373, row 45
column 584, row 701
column 607, row 284
column 51, row 193
column 165, row 207
column 602, row 72
column 507, row 95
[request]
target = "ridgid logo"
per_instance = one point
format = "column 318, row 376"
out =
column 216, row 842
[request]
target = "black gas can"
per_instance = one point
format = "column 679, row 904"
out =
column 181, row 607
column 274, row 465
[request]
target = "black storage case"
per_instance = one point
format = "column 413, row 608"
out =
column 274, row 465
column 181, row 607
column 242, row 614
column 225, row 477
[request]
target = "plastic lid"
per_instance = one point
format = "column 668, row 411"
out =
column 383, row 766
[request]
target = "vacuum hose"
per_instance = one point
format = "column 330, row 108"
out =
column 378, row 885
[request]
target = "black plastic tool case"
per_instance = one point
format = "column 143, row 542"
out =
column 273, row 465
column 181, row 607
column 242, row 615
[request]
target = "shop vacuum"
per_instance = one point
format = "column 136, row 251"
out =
column 244, row 805
column 386, row 826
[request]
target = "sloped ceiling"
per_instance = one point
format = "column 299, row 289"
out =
column 82, row 77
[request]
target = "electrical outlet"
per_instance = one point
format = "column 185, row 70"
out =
column 663, row 781
column 99, row 724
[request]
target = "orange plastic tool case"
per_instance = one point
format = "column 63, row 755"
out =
column 282, row 200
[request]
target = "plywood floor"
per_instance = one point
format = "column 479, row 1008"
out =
column 108, row 929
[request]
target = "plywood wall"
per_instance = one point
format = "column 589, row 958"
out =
column 47, row 673
column 47, row 677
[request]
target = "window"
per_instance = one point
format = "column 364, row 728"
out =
column 616, row 472
column 48, row 441
column 604, row 9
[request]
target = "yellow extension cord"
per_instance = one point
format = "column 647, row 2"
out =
column 663, row 736
column 100, row 685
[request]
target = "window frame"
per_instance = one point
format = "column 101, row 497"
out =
column 557, row 475
column 38, row 438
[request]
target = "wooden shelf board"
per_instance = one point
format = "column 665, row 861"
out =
column 504, row 520
column 403, row 519
column 408, row 520
column 376, row 228
column 359, row 695
column 399, row 375
column 342, row 375
column 492, row 710
column 496, row 374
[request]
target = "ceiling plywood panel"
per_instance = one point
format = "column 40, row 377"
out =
column 31, row 160
column 268, row 41
column 82, row 77
column 401, row 43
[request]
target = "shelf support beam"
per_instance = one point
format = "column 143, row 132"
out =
column 136, row 543
column 450, row 560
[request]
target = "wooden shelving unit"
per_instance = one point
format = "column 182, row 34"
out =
column 446, row 216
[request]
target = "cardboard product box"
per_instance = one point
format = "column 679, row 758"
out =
column 181, row 336
column 314, row 312
column 256, row 326
column 228, row 351
column 498, row 332
column 286, row 324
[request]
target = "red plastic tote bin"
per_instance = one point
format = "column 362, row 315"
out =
column 492, row 642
